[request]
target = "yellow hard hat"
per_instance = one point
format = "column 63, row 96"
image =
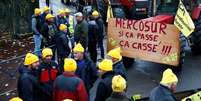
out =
column 70, row 65
column 61, row 12
column 78, row 48
column 67, row 100
column 62, row 27
column 67, row 10
column 115, row 53
column 118, row 83
column 16, row 99
column 169, row 77
column 47, row 52
column 37, row 11
column 95, row 13
column 105, row 65
column 48, row 16
column 46, row 8
column 30, row 59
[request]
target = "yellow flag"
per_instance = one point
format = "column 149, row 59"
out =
column 183, row 20
column 109, row 11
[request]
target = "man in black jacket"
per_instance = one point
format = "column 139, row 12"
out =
column 100, row 30
column 28, row 85
column 104, row 89
column 49, row 31
column 63, row 49
column 93, row 36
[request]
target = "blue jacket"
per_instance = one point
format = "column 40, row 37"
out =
column 119, row 69
column 161, row 93
column 104, row 89
column 88, row 72
column 28, row 85
column 61, row 20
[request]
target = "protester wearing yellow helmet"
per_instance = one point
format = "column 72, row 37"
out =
column 63, row 49
column 118, row 66
column 61, row 19
column 86, row 70
column 27, row 81
column 71, row 21
column 36, row 25
column 119, row 89
column 37, row 11
column 48, row 71
column 164, row 92
column 104, row 89
column 100, row 31
column 68, row 85
column 49, row 30
column 16, row 99
column 46, row 10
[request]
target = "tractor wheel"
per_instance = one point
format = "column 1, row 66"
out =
column 178, row 68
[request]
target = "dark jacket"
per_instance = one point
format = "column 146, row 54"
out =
column 100, row 24
column 92, row 31
column 49, row 30
column 43, row 15
column 28, row 85
column 104, row 89
column 47, row 75
column 118, row 97
column 119, row 69
column 61, row 20
column 87, row 71
column 161, row 93
column 36, row 24
column 81, row 33
column 69, row 86
column 62, row 44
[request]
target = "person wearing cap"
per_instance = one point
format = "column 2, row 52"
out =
column 36, row 28
column 118, row 66
column 119, row 89
column 16, row 99
column 93, row 36
column 60, row 19
column 71, row 22
column 28, row 86
column 100, row 30
column 86, row 70
column 62, row 46
column 81, row 30
column 104, row 89
column 68, row 85
column 164, row 92
column 46, row 10
column 48, row 71
column 49, row 31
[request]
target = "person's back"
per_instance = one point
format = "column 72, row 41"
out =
column 161, row 93
column 165, row 91
column 68, row 85
column 93, row 37
column 119, row 89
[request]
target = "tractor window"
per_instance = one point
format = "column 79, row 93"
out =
column 167, row 6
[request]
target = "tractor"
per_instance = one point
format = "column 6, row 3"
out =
column 162, row 11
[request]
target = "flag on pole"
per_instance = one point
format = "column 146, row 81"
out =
column 183, row 20
column 109, row 11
